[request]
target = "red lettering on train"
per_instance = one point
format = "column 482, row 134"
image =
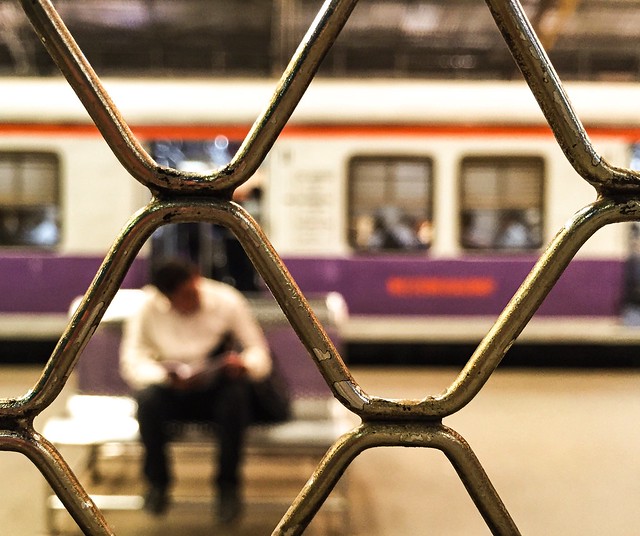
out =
column 461, row 287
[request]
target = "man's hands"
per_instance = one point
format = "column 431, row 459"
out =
column 233, row 366
column 184, row 377
column 178, row 382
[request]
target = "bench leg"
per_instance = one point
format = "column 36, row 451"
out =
column 92, row 464
column 50, row 512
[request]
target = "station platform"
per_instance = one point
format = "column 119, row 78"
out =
column 560, row 447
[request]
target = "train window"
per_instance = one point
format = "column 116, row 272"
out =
column 501, row 203
column 390, row 203
column 29, row 199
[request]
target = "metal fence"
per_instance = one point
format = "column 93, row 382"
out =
column 185, row 197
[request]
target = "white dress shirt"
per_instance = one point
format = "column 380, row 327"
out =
column 159, row 334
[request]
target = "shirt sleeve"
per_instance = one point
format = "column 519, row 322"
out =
column 255, row 350
column 139, row 364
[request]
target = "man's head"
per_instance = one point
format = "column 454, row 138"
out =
column 178, row 281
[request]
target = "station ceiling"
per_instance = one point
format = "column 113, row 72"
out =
column 585, row 39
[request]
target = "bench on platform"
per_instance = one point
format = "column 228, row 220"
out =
column 101, row 414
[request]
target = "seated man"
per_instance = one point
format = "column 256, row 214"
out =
column 171, row 357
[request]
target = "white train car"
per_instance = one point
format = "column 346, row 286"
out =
column 423, row 203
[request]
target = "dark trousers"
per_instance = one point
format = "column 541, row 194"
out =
column 225, row 402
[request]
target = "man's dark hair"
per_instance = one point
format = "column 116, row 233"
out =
column 169, row 275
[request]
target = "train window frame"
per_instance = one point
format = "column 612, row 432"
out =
column 418, row 238
column 526, row 231
column 30, row 210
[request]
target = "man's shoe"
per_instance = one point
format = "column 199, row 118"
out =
column 229, row 505
column 156, row 501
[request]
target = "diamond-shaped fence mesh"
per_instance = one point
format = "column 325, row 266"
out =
column 186, row 197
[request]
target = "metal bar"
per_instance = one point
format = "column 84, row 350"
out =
column 294, row 82
column 394, row 434
column 527, row 299
column 85, row 82
column 59, row 475
column 82, row 78
column 114, row 268
column 554, row 102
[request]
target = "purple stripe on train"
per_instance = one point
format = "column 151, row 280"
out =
column 47, row 283
column 401, row 285
column 370, row 285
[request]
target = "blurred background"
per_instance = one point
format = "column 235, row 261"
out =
column 585, row 39
column 417, row 184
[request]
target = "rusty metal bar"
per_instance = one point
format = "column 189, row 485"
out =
column 394, row 434
column 554, row 102
column 23, row 439
column 87, row 85
column 121, row 255
column 528, row 298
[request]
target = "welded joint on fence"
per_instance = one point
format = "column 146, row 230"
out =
column 423, row 434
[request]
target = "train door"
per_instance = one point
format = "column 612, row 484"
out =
column 213, row 248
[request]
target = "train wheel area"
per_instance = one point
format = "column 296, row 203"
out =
column 27, row 352
column 525, row 355
column 520, row 355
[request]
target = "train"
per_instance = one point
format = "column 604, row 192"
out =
column 422, row 203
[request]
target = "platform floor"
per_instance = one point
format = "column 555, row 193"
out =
column 561, row 448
